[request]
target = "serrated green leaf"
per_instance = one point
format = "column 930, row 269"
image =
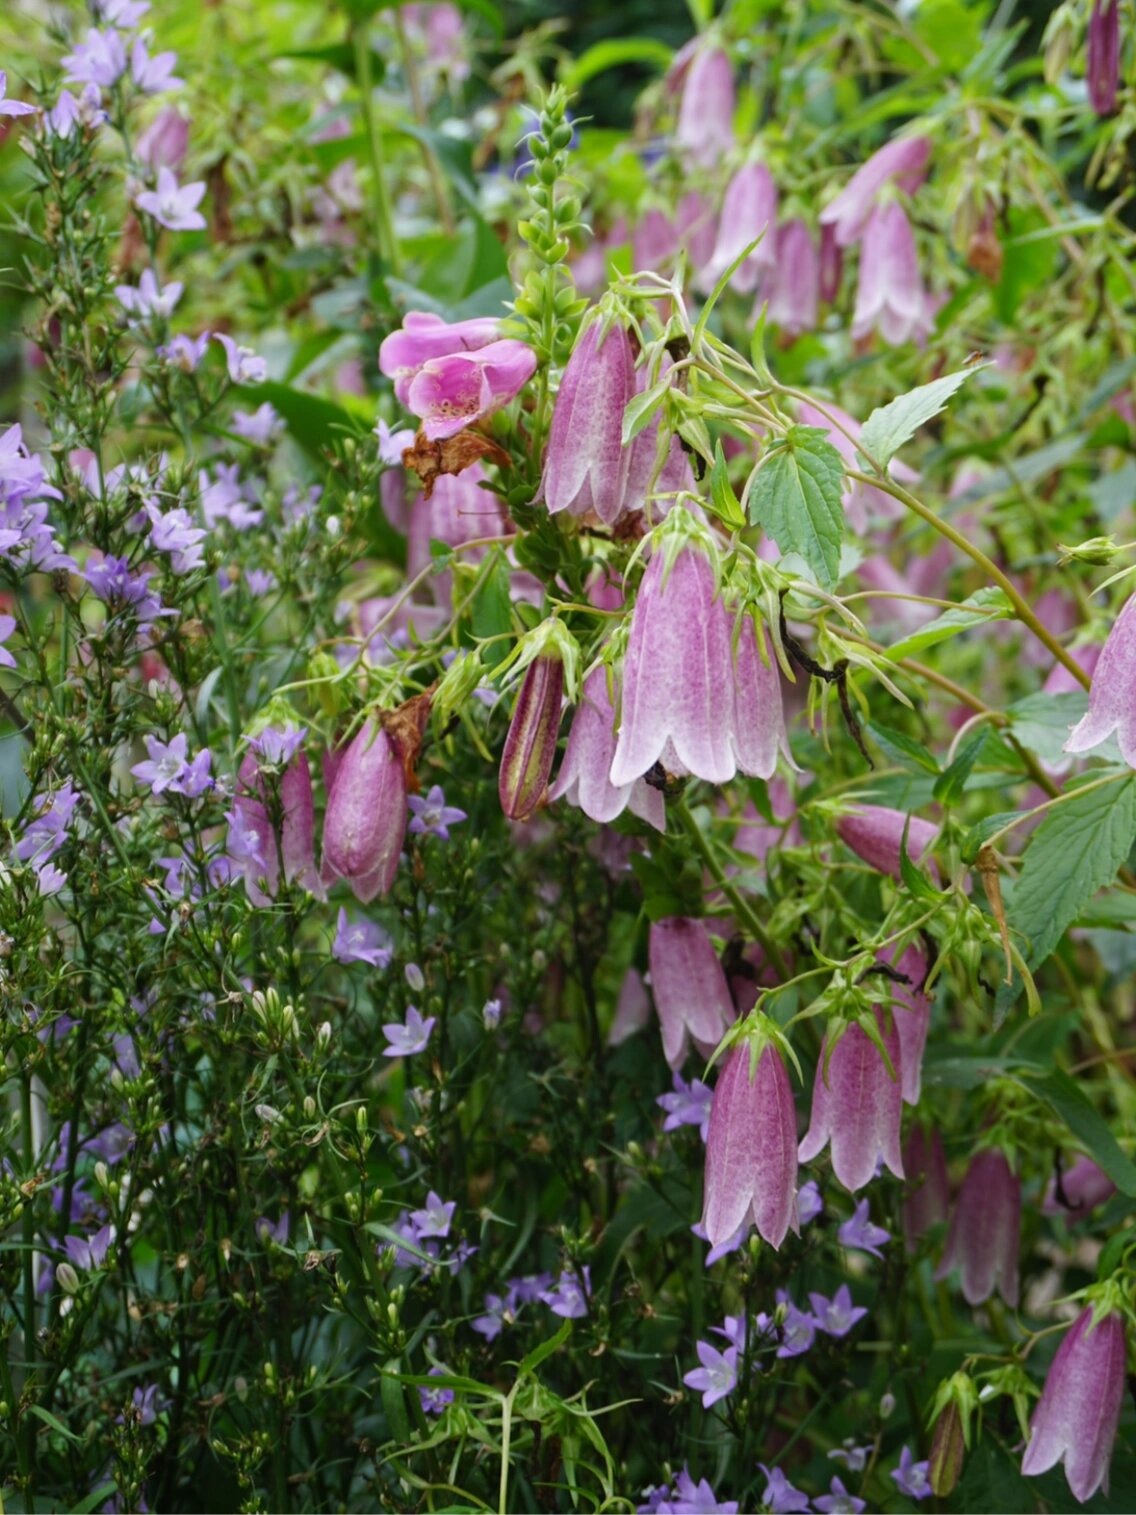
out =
column 949, row 788
column 1070, row 1103
column 796, row 497
column 1041, row 722
column 890, row 426
column 988, row 604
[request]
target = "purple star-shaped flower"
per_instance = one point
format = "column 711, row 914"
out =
column 809, row 1203
column 780, row 1497
column 165, row 765
column 911, row 1476
column 243, row 364
column 260, row 426
column 404, row 1040
column 689, row 1105
column 836, row 1316
column 185, row 352
column 570, row 1296
column 278, row 745
column 839, row 1501
column 497, row 1316
column 100, row 60
column 361, row 942
column 858, row 1231
column 7, row 626
column 854, row 1458
column 173, row 205
column 690, row 1498
column 154, row 74
column 176, row 534
column 12, row 107
column 724, row 1248
column 718, row 1375
column 434, row 1401
column 149, row 299
column 432, row 816
column 435, row 1218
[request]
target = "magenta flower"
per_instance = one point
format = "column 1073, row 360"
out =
column 859, row 1232
column 365, row 823
column 793, row 284
column 361, row 942
column 751, row 1146
column 890, row 295
column 431, row 816
column 12, row 107
column 749, row 208
column 927, row 1193
column 705, row 128
column 585, row 462
column 451, row 393
column 692, row 997
column 172, row 205
column 585, row 772
column 982, row 1239
column 1083, row 1187
column 100, row 60
column 858, row 1109
column 1112, row 697
column 530, row 745
column 1076, row 1418
column 903, row 162
column 718, row 1375
column 912, row 1011
column 875, row 833
column 424, row 337
column 154, row 74
column 1103, row 58
column 406, row 1040
column 678, row 683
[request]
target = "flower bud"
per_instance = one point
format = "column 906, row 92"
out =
column 67, row 1278
column 366, row 814
column 530, row 746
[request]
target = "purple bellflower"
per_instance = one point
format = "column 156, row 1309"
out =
column 749, row 210
column 875, row 833
column 407, row 1039
column 451, row 393
column 1103, row 57
column 911, row 1477
column 927, row 1193
column 718, row 1375
column 903, row 162
column 1083, row 1187
column 859, row 1232
column 361, row 942
column 692, row 997
column 890, row 296
column 585, row 772
column 780, row 1497
column 858, row 1108
column 982, row 1239
column 688, row 1105
column 431, row 816
column 172, row 205
column 704, row 131
column 585, row 462
column 365, row 823
column 838, row 1501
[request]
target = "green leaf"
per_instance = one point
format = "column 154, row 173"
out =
column 394, row 1403
column 989, row 604
column 1076, row 850
column 639, row 410
column 977, row 837
column 949, row 788
column 1041, row 721
column 888, row 428
column 56, row 1425
column 94, row 1499
column 796, row 498
column 614, row 53
column 534, row 1358
column 903, row 750
column 491, row 612
column 315, row 423
column 724, row 501
column 1070, row 1103
column 917, row 883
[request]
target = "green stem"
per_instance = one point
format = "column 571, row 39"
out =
column 437, row 182
column 384, row 224
column 742, row 909
column 28, row 1428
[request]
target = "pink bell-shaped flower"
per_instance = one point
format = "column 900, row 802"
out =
column 584, row 777
column 1112, row 697
column 758, row 724
column 1103, row 59
column 858, row 1109
column 451, row 393
column 705, row 129
column 890, row 296
column 1076, row 1418
column 585, row 462
column 903, row 162
column 875, row 833
column 750, row 208
column 927, row 1192
column 982, row 1239
column 291, row 802
column 365, row 823
column 692, row 997
column 751, row 1146
column 912, row 1011
column 793, row 285
column 423, row 337
column 1083, row 1187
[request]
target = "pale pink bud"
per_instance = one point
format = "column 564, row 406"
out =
column 859, row 1109
column 890, row 296
column 584, row 777
column 1112, row 698
column 585, row 463
column 365, row 823
column 750, row 207
column 1083, row 1188
column 751, row 1149
column 1076, row 1418
column 875, row 833
column 692, row 997
column 982, row 1239
column 793, row 285
column 451, row 393
column 1103, row 60
column 903, row 162
column 424, row 336
column 831, row 264
column 530, row 745
column 164, row 142
column 705, row 128
column 927, row 1192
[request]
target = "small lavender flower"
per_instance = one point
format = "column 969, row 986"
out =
column 89, row 1252
column 491, row 1014
column 809, row 1202
column 260, row 581
column 689, row 1105
column 733, row 1328
column 274, row 1231
column 244, row 366
column 166, row 764
column 432, row 816
column 172, row 205
column 149, row 299
column 718, row 1375
column 101, row 59
column 361, row 942
column 415, row 978
column 569, row 1298
column 7, row 626
column 434, row 1401
column 798, row 1329
column 839, row 1501
column 858, row 1231
column 185, row 352
column 153, row 75
column 260, row 426
column 497, row 1316
column 435, row 1218
column 911, row 1476
column 411, row 1038
column 780, row 1497
column 529, row 1288
column 854, row 1458
column 723, row 1248
column 12, row 107
column 174, row 533
column 699, row 1498
column 836, row 1316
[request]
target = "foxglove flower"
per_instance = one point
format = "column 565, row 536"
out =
column 875, row 833
column 1082, row 1188
column 1112, row 697
column 678, row 677
column 903, row 162
column 172, row 205
column 585, row 463
column 751, row 1146
column 927, row 1192
column 793, row 285
column 530, row 745
column 1103, row 59
column 692, row 997
column 705, row 128
column 982, row 1239
column 12, row 107
column 584, row 777
column 758, row 724
column 1076, row 1418
column 749, row 209
column 858, row 1108
column 424, row 337
column 366, row 815
column 912, row 1011
column 890, row 295
column 448, row 394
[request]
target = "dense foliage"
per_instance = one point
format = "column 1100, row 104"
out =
column 568, row 756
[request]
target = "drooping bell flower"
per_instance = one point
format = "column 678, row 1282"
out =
column 1112, row 697
column 584, row 777
column 448, row 394
column 692, row 997
column 164, row 142
column 654, row 242
column 750, row 208
column 982, row 1239
column 1103, row 59
column 675, row 474
column 927, row 1192
column 890, row 297
column 751, row 1146
column 903, row 162
column 695, row 227
column 912, row 1011
column 585, row 462
column 1076, row 1418
column 858, row 1108
column 548, row 656
column 705, row 129
column 830, row 264
column 424, row 337
column 875, row 833
column 793, row 286
column 678, row 677
column 365, row 823
column 758, row 724
column 860, row 501
column 632, row 1010
column 261, row 864
column 1083, row 1187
